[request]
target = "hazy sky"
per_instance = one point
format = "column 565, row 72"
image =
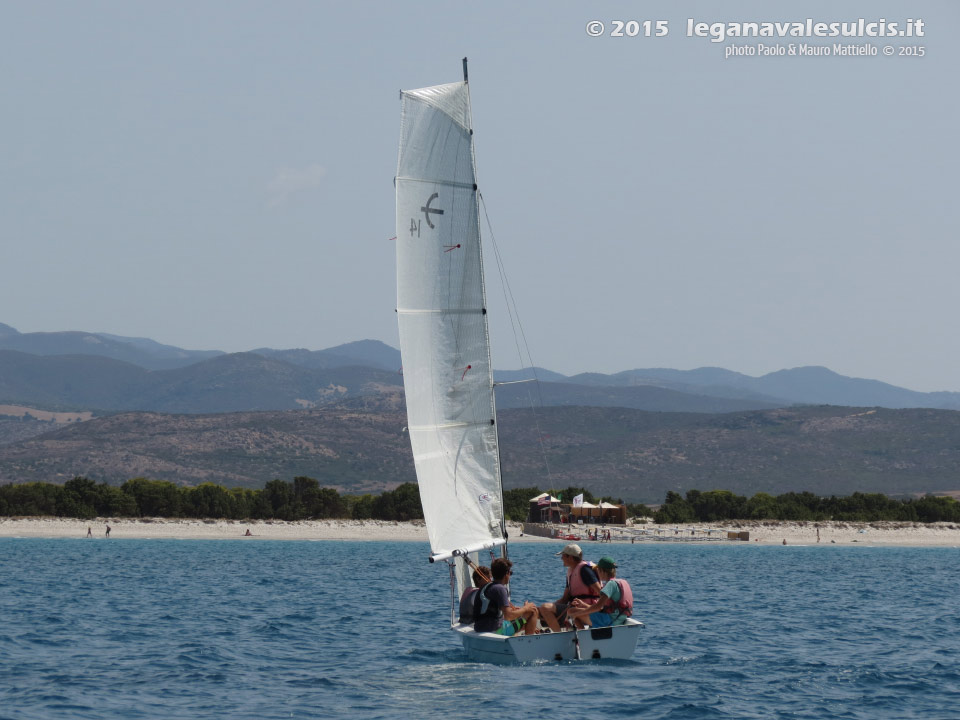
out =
column 218, row 175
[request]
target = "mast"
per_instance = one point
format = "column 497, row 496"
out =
column 483, row 284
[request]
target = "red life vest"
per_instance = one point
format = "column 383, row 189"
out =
column 625, row 603
column 578, row 588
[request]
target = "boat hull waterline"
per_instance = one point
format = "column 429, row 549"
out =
column 613, row 643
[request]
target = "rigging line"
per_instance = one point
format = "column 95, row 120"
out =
column 507, row 291
column 512, row 310
column 511, row 303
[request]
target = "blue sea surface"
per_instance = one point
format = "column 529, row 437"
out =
column 275, row 629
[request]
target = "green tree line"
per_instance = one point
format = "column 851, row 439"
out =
column 278, row 500
column 303, row 499
column 717, row 505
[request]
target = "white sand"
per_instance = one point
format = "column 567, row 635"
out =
column 225, row 529
column 846, row 533
column 761, row 533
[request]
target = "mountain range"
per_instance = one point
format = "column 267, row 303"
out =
column 112, row 408
column 110, row 373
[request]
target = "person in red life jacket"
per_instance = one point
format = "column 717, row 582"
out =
column 582, row 584
column 492, row 609
column 481, row 576
column 614, row 605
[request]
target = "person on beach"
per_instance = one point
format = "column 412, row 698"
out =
column 614, row 605
column 481, row 576
column 248, row 533
column 108, row 531
column 492, row 609
column 582, row 584
column 89, row 531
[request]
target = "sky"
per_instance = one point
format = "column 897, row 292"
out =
column 219, row 175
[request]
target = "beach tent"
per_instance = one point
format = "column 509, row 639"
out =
column 587, row 511
column 544, row 499
column 613, row 513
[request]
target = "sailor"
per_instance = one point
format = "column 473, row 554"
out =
column 582, row 584
column 614, row 605
column 481, row 576
column 492, row 610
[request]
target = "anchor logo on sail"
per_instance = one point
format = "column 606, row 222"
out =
column 427, row 210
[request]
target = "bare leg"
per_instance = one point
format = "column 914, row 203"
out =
column 548, row 613
column 531, row 627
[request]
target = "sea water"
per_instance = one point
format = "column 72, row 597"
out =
column 276, row 629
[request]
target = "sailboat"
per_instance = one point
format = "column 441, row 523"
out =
column 447, row 371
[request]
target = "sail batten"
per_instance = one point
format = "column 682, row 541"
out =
column 442, row 311
column 435, row 181
column 444, row 341
column 440, row 426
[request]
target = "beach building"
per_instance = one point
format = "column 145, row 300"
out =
column 586, row 511
column 544, row 508
column 613, row 514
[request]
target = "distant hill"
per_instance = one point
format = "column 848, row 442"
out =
column 68, row 381
column 827, row 450
column 250, row 381
column 361, row 366
column 337, row 446
column 337, row 415
column 226, row 383
column 14, row 429
column 137, row 351
column 360, row 446
column 363, row 353
column 803, row 386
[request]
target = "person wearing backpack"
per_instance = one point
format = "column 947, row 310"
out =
column 481, row 576
column 492, row 609
column 614, row 605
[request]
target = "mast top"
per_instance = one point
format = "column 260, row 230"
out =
column 465, row 70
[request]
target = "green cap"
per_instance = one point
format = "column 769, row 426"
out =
column 606, row 563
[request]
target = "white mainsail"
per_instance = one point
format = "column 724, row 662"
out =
column 444, row 341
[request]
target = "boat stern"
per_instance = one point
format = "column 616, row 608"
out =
column 618, row 643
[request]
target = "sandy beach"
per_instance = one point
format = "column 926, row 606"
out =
column 192, row 529
column 761, row 532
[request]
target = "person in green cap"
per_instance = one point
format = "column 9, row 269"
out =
column 614, row 605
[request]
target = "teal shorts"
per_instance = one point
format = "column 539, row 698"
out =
column 511, row 627
column 600, row 619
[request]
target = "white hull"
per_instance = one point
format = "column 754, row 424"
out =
column 618, row 643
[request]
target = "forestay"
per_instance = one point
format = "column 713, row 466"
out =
column 444, row 339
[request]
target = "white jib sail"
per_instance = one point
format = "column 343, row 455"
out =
column 441, row 309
